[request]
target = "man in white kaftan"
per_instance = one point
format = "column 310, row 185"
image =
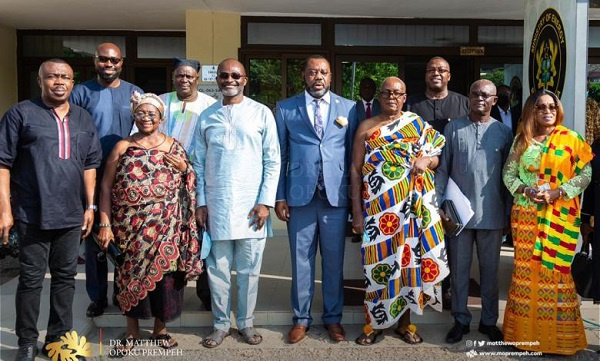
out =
column 237, row 165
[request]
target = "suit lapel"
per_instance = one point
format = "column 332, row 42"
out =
column 301, row 103
column 333, row 111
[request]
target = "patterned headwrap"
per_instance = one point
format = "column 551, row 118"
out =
column 138, row 99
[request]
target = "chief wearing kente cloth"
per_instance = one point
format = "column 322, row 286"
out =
column 394, row 207
column 548, row 167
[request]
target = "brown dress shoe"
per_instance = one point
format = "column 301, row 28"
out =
column 297, row 333
column 336, row 332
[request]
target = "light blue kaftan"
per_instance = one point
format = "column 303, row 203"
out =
column 237, row 166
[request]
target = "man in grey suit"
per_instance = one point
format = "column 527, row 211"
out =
column 315, row 131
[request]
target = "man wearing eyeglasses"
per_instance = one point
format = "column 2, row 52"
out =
column 316, row 129
column 49, row 152
column 106, row 98
column 477, row 147
column 438, row 104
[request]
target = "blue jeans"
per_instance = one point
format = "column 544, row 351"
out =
column 38, row 249
column 247, row 256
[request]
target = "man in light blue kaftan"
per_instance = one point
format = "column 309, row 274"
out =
column 237, row 165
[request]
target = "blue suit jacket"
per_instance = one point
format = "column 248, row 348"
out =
column 302, row 151
column 361, row 112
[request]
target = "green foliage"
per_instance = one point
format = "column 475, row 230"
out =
column 496, row 77
column 594, row 91
column 376, row 71
column 265, row 81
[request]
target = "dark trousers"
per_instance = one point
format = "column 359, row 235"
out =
column 39, row 249
column 460, row 250
column 96, row 272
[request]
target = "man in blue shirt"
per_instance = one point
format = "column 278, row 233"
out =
column 106, row 98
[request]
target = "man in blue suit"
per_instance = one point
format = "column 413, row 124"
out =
column 315, row 129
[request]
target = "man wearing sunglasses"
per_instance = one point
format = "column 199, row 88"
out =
column 237, row 169
column 316, row 129
column 106, row 98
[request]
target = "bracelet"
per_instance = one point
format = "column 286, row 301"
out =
column 104, row 225
column 92, row 207
column 561, row 193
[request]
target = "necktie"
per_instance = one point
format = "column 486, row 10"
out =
column 319, row 129
column 318, row 118
column 368, row 111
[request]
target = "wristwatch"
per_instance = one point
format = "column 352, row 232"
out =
column 92, row 207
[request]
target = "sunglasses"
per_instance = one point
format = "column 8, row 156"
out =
column 234, row 76
column 106, row 59
column 544, row 108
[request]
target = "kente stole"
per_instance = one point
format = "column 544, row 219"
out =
column 564, row 157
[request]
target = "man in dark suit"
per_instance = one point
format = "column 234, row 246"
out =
column 503, row 112
column 315, row 129
column 510, row 116
column 368, row 105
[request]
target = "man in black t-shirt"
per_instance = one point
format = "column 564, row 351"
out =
column 438, row 105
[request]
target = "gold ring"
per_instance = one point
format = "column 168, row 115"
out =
column 353, row 231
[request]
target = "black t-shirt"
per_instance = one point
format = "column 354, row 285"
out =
column 47, row 158
column 438, row 112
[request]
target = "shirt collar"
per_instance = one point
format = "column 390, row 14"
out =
column 309, row 98
column 504, row 112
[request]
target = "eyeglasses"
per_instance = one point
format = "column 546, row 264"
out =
column 57, row 76
column 141, row 115
column 106, row 59
column 234, row 75
column 314, row 72
column 484, row 96
column 442, row 71
column 391, row 94
column 542, row 108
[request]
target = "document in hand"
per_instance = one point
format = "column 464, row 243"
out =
column 461, row 203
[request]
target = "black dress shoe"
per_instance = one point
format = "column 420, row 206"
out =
column 457, row 332
column 26, row 352
column 95, row 309
column 492, row 332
